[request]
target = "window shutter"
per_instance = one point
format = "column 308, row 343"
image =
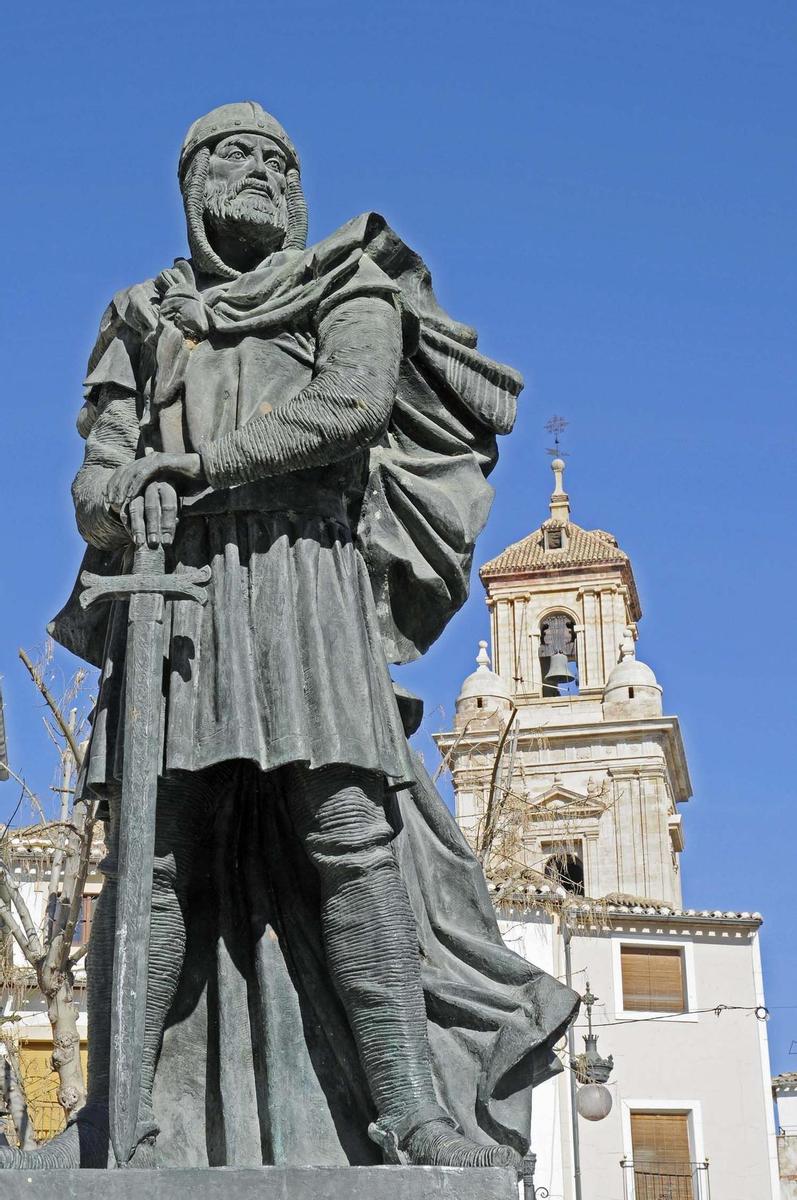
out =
column 653, row 979
column 660, row 1137
column 662, row 1155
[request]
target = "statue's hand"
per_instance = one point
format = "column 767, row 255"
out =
column 132, row 479
column 152, row 518
column 187, row 312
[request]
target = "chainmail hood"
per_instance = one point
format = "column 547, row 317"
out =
column 243, row 117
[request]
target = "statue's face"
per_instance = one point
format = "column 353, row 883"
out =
column 245, row 192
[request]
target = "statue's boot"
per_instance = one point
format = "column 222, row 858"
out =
column 371, row 944
column 439, row 1144
column 84, row 1143
column 430, row 1138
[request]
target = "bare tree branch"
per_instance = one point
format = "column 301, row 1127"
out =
column 490, row 815
column 48, row 951
column 79, row 954
column 34, row 799
column 54, row 707
column 9, row 922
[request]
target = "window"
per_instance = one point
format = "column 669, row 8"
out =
column 662, row 1156
column 565, row 865
column 83, row 927
column 653, row 979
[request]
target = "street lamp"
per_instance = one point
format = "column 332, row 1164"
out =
column 593, row 1100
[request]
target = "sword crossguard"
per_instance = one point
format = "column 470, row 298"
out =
column 147, row 578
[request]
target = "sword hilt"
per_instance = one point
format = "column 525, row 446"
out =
column 148, row 577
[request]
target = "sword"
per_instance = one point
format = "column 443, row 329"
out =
column 146, row 588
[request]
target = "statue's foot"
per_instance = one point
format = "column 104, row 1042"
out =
column 439, row 1144
column 147, row 1132
column 84, row 1143
column 144, row 1155
column 63, row 1151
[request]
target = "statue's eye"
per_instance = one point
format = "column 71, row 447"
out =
column 236, row 155
column 274, row 164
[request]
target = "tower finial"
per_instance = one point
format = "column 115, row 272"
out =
column 560, row 502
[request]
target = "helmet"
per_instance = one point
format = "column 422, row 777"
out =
column 245, row 116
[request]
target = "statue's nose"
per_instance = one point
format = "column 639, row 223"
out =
column 258, row 169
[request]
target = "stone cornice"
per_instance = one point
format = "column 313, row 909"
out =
column 588, row 917
column 667, row 728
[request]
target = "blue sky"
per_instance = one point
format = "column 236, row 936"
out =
column 606, row 189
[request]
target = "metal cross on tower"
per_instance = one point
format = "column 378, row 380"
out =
column 556, row 425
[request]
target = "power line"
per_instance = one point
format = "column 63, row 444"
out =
column 760, row 1011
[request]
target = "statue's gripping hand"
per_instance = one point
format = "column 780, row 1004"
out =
column 144, row 493
column 151, row 519
column 131, row 479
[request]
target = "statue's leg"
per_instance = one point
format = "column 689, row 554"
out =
column 372, row 951
column 182, row 813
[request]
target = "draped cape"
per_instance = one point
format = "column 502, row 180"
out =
column 259, row 1063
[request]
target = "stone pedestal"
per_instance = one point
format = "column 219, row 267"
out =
column 263, row 1183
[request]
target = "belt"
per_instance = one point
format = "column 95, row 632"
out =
column 268, row 495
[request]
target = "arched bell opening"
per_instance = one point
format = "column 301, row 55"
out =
column 558, row 655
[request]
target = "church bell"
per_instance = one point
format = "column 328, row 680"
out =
column 559, row 671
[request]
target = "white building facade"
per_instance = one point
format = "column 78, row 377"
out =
column 569, row 779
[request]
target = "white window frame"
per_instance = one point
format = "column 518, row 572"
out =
column 694, row 1113
column 687, row 949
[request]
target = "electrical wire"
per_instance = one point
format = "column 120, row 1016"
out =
column 760, row 1011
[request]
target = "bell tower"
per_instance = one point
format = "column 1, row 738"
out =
column 565, row 767
column 562, row 590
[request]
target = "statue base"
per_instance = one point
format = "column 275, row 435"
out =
column 264, row 1183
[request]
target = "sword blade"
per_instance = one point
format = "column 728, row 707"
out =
column 144, row 673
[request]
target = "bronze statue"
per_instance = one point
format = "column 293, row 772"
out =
column 303, row 435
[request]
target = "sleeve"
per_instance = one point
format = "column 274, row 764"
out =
column 345, row 408
column 111, row 441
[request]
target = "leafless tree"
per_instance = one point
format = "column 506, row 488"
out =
column 46, row 945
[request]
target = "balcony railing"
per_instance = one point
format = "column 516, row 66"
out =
column 650, row 1180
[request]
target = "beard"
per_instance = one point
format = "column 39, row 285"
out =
column 250, row 210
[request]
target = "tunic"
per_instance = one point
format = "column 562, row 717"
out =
column 284, row 663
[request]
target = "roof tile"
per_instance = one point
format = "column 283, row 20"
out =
column 584, row 546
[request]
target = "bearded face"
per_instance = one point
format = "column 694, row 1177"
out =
column 245, row 197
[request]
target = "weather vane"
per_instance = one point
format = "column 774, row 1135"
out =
column 556, row 426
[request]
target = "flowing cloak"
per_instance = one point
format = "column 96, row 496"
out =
column 258, row 1064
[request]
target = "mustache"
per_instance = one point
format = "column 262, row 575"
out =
column 250, row 201
column 228, row 191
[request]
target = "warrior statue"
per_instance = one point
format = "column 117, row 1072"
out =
column 308, row 433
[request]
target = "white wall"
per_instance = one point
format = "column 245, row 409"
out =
column 714, row 1067
column 534, row 940
column 711, row 1066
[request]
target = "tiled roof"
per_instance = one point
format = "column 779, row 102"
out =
column 575, row 906
column 584, row 547
column 787, row 1079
